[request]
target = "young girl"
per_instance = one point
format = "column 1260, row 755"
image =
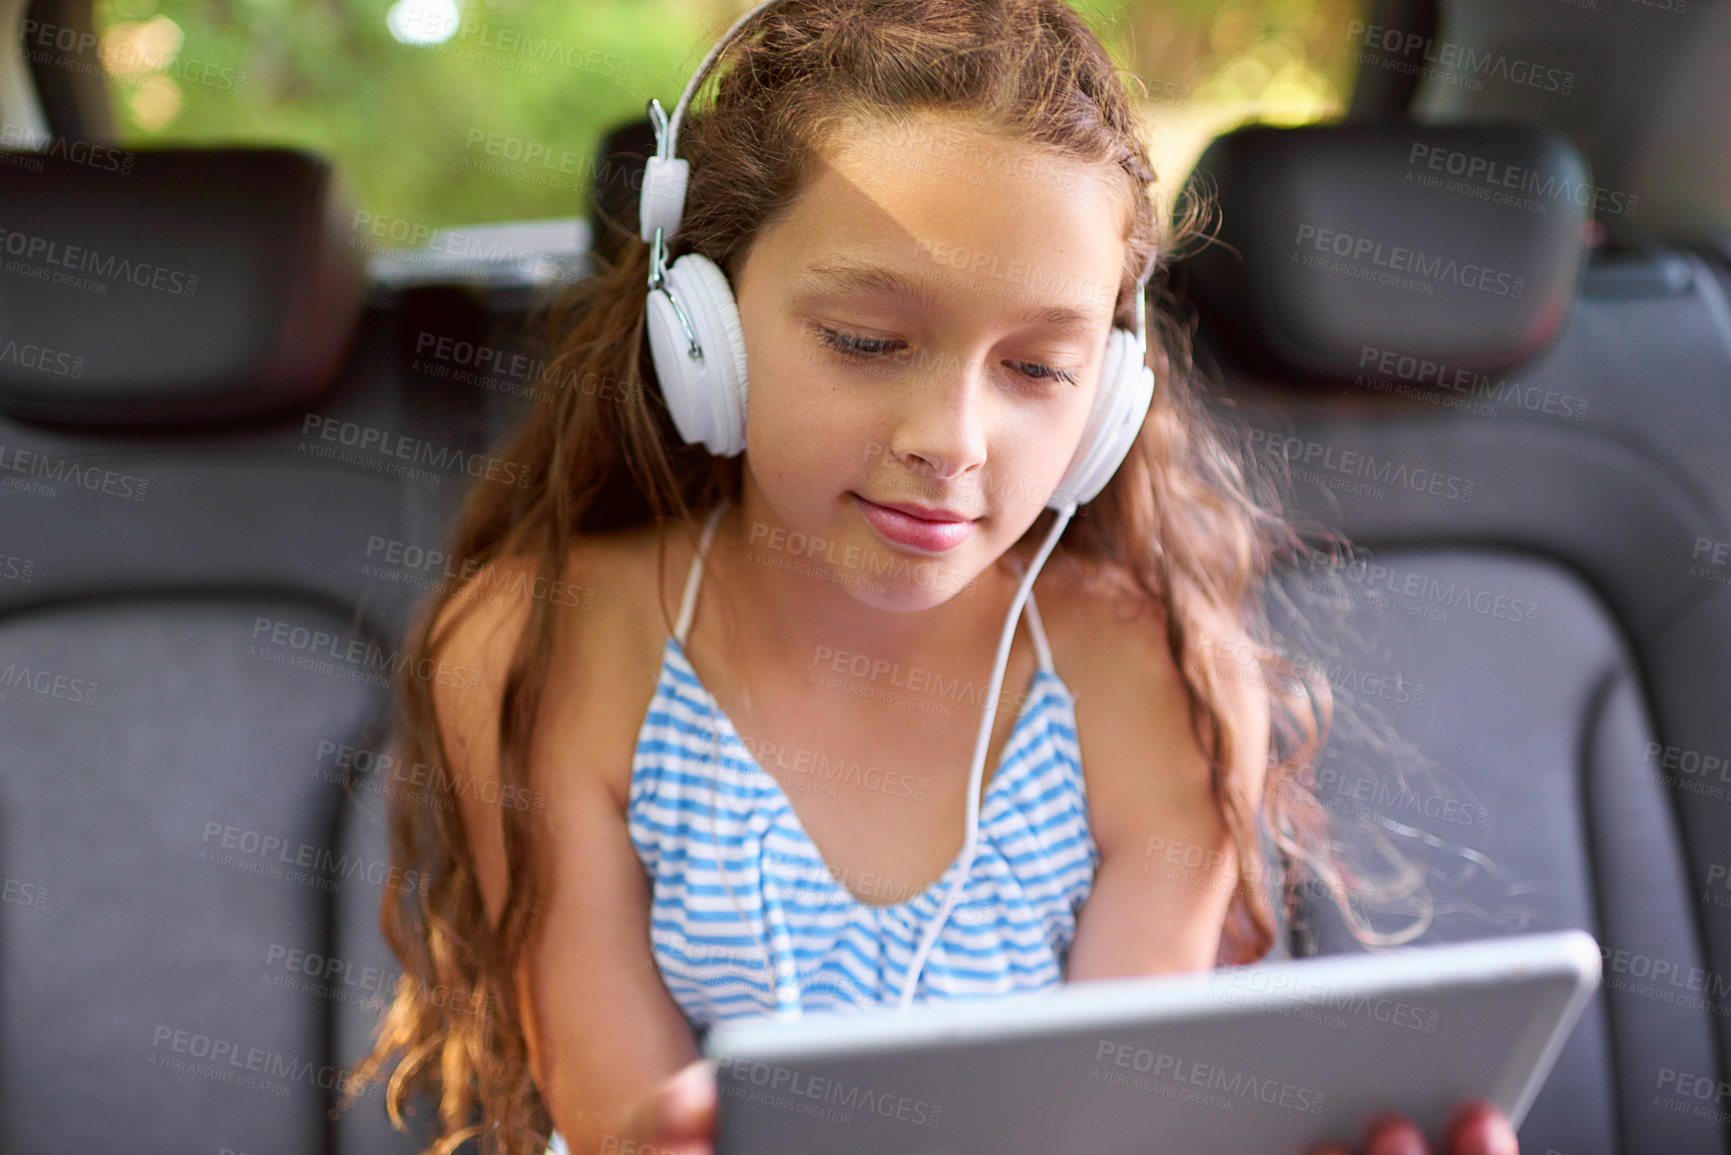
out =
column 717, row 765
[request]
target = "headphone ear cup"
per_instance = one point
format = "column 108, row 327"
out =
column 1126, row 391
column 706, row 395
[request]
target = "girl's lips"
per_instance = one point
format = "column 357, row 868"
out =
column 912, row 532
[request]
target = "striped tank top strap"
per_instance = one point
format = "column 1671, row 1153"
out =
column 694, row 578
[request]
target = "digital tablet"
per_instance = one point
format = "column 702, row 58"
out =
column 1267, row 1059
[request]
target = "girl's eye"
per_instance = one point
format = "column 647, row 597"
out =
column 865, row 348
column 1046, row 373
column 855, row 346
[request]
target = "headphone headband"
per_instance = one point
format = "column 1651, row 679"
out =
column 665, row 176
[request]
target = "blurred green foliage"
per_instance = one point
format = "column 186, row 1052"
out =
column 500, row 121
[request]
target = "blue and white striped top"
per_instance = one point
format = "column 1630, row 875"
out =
column 1009, row 930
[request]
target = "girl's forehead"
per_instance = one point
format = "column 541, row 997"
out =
column 963, row 149
column 961, row 205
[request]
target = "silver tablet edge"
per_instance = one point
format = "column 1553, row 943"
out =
column 1118, row 1001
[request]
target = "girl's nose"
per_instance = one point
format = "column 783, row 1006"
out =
column 943, row 421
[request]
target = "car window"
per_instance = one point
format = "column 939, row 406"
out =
column 452, row 112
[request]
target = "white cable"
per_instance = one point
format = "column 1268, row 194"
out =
column 970, row 843
column 980, row 743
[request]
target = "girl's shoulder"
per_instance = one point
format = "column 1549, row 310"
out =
column 604, row 655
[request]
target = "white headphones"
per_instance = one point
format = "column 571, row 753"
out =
column 699, row 348
column 699, row 351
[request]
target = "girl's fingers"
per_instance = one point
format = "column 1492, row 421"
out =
column 1481, row 1129
column 692, row 1092
column 1394, row 1135
column 680, row 1111
column 1385, row 1134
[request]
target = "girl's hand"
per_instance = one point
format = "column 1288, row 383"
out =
column 674, row 1117
column 1478, row 1129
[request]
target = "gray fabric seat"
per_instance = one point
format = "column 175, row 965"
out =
column 202, row 597
column 1544, row 602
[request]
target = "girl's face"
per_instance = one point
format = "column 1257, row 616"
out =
column 925, row 325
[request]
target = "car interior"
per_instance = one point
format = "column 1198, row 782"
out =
column 1481, row 325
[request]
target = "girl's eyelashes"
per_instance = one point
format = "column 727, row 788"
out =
column 877, row 348
column 855, row 346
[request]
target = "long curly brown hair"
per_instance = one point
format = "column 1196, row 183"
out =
column 1183, row 522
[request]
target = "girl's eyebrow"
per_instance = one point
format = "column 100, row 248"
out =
column 831, row 274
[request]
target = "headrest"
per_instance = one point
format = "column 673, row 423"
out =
column 618, row 185
column 1348, row 246
column 172, row 285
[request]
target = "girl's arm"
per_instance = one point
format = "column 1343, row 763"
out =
column 1167, row 868
column 601, row 1029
